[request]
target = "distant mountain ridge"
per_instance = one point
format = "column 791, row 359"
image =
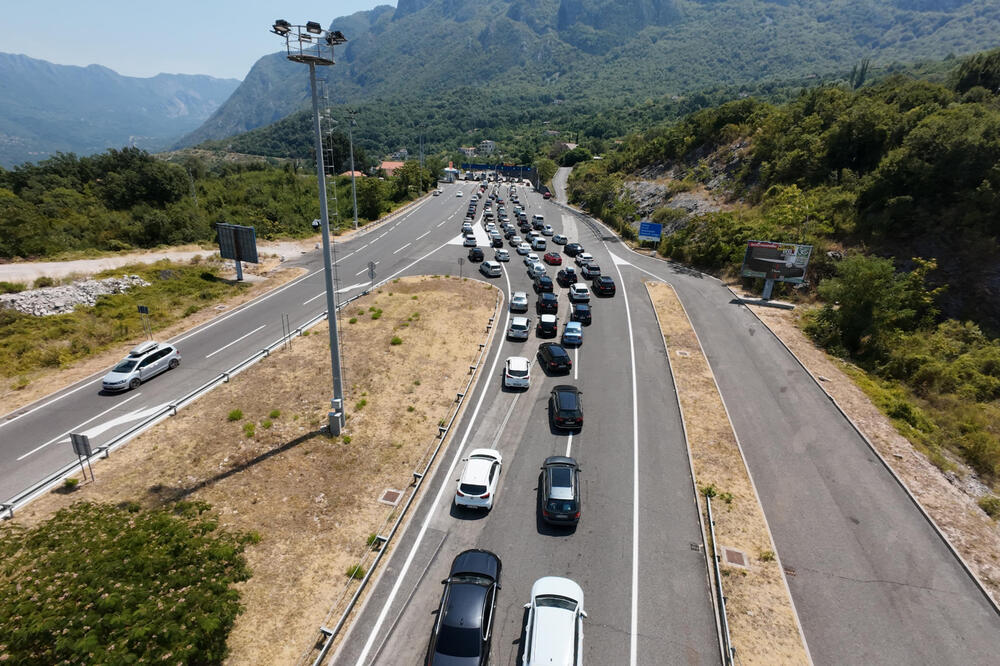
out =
column 602, row 51
column 47, row 108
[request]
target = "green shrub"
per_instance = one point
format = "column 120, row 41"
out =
column 266, row 424
column 153, row 585
column 991, row 505
column 274, row 413
column 235, row 415
column 396, row 340
column 411, row 408
column 347, row 438
column 42, row 282
column 709, row 490
column 766, row 556
column 360, row 404
column 352, row 320
column 249, row 429
column 71, row 483
column 356, row 572
column 12, row 287
column 377, row 314
column 191, row 309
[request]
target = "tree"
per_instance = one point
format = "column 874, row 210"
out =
column 369, row 198
column 546, row 169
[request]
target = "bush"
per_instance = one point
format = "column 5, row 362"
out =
column 356, row 572
column 106, row 584
column 235, row 415
column 991, row 505
column 396, row 340
column 12, row 287
column 249, row 429
column 377, row 314
column 360, row 404
column 266, row 424
column 347, row 438
column 274, row 413
column 43, row 282
column 71, row 483
column 352, row 320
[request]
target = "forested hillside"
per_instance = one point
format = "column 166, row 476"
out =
column 897, row 186
column 598, row 54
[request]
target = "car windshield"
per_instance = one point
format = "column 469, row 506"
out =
column 518, row 326
column 125, row 366
column 472, row 489
column 514, row 372
column 458, row 641
column 553, row 601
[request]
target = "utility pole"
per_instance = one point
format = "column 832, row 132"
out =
column 350, row 136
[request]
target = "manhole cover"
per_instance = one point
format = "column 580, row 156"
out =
column 390, row 496
column 735, row 557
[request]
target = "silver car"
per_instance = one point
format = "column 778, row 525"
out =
column 145, row 361
column 519, row 329
column 519, row 301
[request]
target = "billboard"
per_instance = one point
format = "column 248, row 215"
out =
column 650, row 231
column 237, row 242
column 784, row 262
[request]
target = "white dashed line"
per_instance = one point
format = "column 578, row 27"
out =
column 76, row 427
column 402, row 248
column 421, row 235
column 236, row 340
column 322, row 293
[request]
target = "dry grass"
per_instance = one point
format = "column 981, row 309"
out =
column 974, row 534
column 762, row 622
column 312, row 499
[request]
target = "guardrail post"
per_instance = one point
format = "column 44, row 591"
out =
column 442, row 430
column 416, row 477
column 472, row 368
column 9, row 508
column 225, row 377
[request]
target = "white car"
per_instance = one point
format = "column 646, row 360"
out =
column 523, row 248
column 530, row 258
column 584, row 258
column 519, row 329
column 437, row 192
column 490, row 269
column 478, row 484
column 538, row 244
column 559, row 239
column 547, row 230
column 579, row 293
column 466, row 226
column 517, row 372
column 459, row 194
column 469, row 241
column 501, row 255
column 536, row 269
column 554, row 631
column 519, row 301
column 143, row 362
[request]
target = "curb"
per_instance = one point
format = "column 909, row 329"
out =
column 937, row 529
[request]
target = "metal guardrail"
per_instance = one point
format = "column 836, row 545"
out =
column 727, row 644
column 373, row 552
column 104, row 450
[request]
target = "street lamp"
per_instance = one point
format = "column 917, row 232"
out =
column 312, row 45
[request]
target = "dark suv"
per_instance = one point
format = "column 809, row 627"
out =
column 548, row 303
column 565, row 408
column 581, row 313
column 560, row 491
column 464, row 625
column 554, row 358
column 566, row 276
column 543, row 284
column 603, row 285
column 573, row 249
column 476, row 254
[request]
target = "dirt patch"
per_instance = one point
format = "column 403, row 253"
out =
column 762, row 622
column 973, row 534
column 262, row 277
column 313, row 500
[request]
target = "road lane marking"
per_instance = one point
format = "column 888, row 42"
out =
column 35, row 409
column 74, row 428
column 353, row 286
column 634, row 623
column 402, row 248
column 576, row 363
column 383, row 234
column 235, row 341
column 322, row 293
column 421, row 235
column 344, row 257
column 365, row 269
column 362, row 247
column 569, row 445
column 437, row 498
column 503, row 424
column 443, row 222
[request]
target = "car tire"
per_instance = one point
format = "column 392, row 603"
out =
column 134, row 384
column 174, row 363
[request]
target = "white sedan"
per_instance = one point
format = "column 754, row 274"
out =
column 478, row 483
column 501, row 255
column 519, row 301
column 530, row 258
column 554, row 631
column 517, row 372
column 523, row 248
column 547, row 230
column 459, row 194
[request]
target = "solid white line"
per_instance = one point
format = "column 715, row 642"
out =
column 402, row 248
column 74, row 428
column 634, row 624
column 576, row 363
column 569, row 445
column 421, row 235
column 437, row 499
column 322, row 293
column 35, row 409
column 235, row 341
column 365, row 269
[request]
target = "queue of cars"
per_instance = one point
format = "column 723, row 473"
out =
column 553, row 632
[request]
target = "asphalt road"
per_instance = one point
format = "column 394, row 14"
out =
column 871, row 581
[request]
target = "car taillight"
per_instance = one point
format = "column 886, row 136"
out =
column 460, row 493
column 576, row 515
column 545, row 513
column 486, row 496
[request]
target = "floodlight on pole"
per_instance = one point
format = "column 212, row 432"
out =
column 300, row 47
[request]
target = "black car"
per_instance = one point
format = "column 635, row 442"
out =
column 573, row 249
column 548, row 303
column 560, row 491
column 581, row 313
column 496, row 242
column 464, row 625
column 509, row 233
column 547, row 326
column 543, row 284
column 566, row 276
column 554, row 358
column 565, row 408
column 590, row 271
column 476, row 254
column 603, row 285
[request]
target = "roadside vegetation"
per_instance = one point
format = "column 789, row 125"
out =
column 29, row 344
column 896, row 187
column 99, row 583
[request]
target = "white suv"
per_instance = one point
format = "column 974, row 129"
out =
column 554, row 632
column 143, row 362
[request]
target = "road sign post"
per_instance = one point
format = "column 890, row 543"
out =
column 147, row 327
column 460, row 262
column 371, row 274
column 81, row 447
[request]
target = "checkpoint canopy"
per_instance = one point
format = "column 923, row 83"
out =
column 783, row 262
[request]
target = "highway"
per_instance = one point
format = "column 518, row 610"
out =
column 871, row 581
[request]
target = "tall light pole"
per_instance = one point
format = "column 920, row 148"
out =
column 350, row 138
column 312, row 45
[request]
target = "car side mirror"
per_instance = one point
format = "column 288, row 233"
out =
column 583, row 613
column 444, row 582
column 527, row 605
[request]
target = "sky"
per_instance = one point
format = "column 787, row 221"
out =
column 221, row 38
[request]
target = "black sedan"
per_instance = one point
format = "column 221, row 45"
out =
column 573, row 249
column 565, row 407
column 462, row 632
column 581, row 313
column 554, row 358
column 603, row 285
column 543, row 284
column 476, row 254
column 548, row 303
column 566, row 276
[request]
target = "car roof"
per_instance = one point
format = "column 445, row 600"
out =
column 519, row 294
column 547, row 296
column 548, row 318
column 517, row 363
column 554, row 349
column 519, row 321
column 477, row 470
column 143, row 348
column 574, row 325
column 476, row 561
column 555, row 585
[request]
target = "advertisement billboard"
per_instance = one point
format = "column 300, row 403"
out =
column 784, row 262
column 650, row 231
column 237, row 242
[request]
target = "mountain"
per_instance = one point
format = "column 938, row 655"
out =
column 601, row 52
column 47, row 108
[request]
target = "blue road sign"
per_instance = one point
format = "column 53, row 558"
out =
column 650, row 231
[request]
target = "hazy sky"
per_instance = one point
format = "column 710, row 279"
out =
column 221, row 38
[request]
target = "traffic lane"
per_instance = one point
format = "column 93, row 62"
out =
column 839, row 519
column 676, row 613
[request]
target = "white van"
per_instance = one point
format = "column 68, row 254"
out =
column 490, row 269
column 538, row 244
